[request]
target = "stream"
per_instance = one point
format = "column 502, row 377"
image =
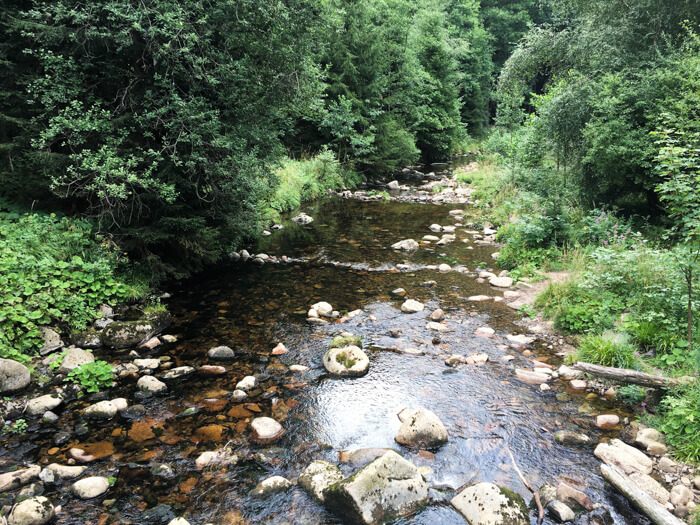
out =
column 344, row 258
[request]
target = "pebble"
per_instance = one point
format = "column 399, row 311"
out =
column 485, row 331
column 578, row 384
column 151, row 384
column 265, row 430
column 247, row 383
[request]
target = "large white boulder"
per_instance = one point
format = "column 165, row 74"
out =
column 349, row 361
column 387, row 488
column 33, row 511
column 14, row 376
column 317, row 477
column 629, row 459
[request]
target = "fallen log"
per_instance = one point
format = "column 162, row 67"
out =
column 647, row 505
column 623, row 375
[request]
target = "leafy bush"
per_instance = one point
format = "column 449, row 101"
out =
column 608, row 349
column 93, row 376
column 680, row 420
column 53, row 270
column 604, row 228
column 575, row 309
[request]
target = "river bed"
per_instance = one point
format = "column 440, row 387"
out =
column 342, row 257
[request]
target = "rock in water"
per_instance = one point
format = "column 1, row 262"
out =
column 323, row 308
column 92, row 487
column 151, row 384
column 569, row 438
column 341, row 341
column 501, row 282
column 270, row 486
column 421, row 428
column 221, row 353
column 317, row 477
column 412, row 306
column 74, row 358
column 303, row 218
column 488, row 504
column 124, row 334
column 265, row 430
column 32, row 511
column 623, row 456
column 346, row 362
column 407, row 245
column 388, row 487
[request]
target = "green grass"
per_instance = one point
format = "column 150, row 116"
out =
column 608, row 349
column 304, row 180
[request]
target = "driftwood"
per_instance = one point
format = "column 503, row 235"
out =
column 624, row 375
column 536, row 494
column 654, row 510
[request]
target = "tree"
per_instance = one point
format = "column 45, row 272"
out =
column 164, row 116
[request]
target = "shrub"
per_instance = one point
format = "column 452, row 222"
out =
column 680, row 420
column 93, row 376
column 576, row 309
column 53, row 270
column 631, row 394
column 305, row 180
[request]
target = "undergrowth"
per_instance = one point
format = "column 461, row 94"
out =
column 55, row 271
column 304, row 180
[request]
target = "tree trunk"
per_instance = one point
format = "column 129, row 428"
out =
column 624, row 375
column 640, row 499
column 689, row 280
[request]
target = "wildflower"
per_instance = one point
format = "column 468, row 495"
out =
column 544, row 213
column 643, row 405
column 605, row 243
column 636, row 354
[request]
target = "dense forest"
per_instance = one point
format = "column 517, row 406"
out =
column 163, row 122
column 173, row 133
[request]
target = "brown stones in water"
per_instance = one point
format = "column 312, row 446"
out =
column 90, row 452
column 211, row 370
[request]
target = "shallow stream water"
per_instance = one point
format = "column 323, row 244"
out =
column 344, row 258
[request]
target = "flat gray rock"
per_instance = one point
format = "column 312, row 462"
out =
column 14, row 376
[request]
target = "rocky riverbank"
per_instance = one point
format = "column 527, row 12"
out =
column 358, row 377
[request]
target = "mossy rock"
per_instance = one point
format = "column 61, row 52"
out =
column 387, row 488
column 125, row 334
column 341, row 342
column 489, row 504
column 349, row 361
